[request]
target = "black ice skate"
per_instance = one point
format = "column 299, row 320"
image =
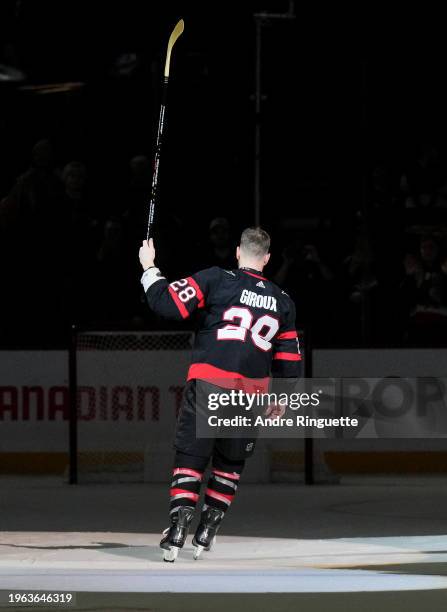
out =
column 175, row 535
column 205, row 536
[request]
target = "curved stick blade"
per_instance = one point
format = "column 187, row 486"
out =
column 176, row 32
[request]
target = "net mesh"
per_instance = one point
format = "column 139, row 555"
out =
column 133, row 341
column 129, row 388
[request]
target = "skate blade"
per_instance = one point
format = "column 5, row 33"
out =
column 170, row 555
column 197, row 552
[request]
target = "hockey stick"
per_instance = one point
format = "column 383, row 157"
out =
column 176, row 32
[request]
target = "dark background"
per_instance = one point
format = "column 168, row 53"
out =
column 354, row 164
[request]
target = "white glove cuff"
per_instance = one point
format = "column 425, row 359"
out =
column 151, row 276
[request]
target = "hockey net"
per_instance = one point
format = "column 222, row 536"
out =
column 128, row 388
column 127, row 393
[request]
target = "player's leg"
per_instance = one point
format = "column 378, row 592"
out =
column 191, row 458
column 185, row 491
column 221, row 490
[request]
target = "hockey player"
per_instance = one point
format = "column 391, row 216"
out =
column 245, row 331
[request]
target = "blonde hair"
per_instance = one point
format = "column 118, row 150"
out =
column 255, row 242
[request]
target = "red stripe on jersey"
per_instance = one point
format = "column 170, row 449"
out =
column 255, row 275
column 199, row 292
column 218, row 377
column 290, row 335
column 287, row 356
column 178, row 303
column 184, row 493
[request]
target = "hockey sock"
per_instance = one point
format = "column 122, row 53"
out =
column 222, row 484
column 186, row 480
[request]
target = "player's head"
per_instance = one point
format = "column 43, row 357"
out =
column 253, row 251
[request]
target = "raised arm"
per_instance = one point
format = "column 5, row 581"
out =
column 176, row 300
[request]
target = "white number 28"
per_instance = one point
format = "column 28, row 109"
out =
column 240, row 324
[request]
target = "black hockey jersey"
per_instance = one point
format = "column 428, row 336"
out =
column 246, row 324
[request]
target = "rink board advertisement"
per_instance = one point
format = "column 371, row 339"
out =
column 125, row 399
column 129, row 399
column 34, row 401
column 372, row 363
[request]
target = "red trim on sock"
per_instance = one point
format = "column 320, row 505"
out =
column 187, row 472
column 183, row 493
column 219, row 496
column 233, row 475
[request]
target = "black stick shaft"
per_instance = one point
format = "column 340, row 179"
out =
column 158, row 147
